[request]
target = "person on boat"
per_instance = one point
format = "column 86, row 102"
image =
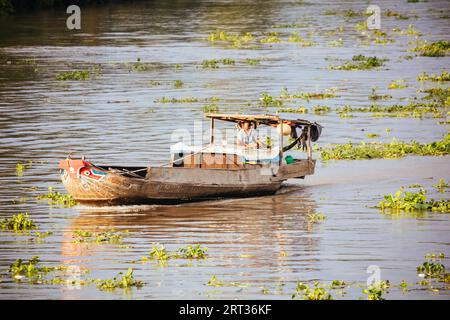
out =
column 246, row 136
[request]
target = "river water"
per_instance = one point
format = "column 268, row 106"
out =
column 259, row 247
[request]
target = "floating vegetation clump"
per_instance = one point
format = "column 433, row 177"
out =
column 444, row 76
column 177, row 100
column 178, row 84
column 266, row 100
column 321, row 110
column 395, row 14
column 214, row 282
column 232, row 39
column 285, row 94
column 210, row 108
column 160, row 253
column 316, row 217
column 31, row 270
column 441, row 186
column 192, row 252
column 433, row 49
column 318, row 292
column 121, row 281
column 378, row 150
column 410, row 31
column 440, row 95
column 360, row 62
column 433, row 268
column 21, row 167
column 56, row 198
column 374, row 96
column 252, row 62
column 271, row 37
column 214, row 63
column 111, row 237
column 376, row 290
column 398, row 84
column 74, row 75
column 295, row 37
column 139, row 66
column 412, row 201
column 413, row 109
column 302, row 110
column 17, row 223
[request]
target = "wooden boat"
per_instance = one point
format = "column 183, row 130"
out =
column 210, row 172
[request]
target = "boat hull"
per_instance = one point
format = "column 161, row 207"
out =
column 102, row 185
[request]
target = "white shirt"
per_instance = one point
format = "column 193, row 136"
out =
column 247, row 138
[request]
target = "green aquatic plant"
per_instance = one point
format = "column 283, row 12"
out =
column 178, row 84
column 21, row 167
column 395, row 14
column 192, row 252
column 376, row 290
column 214, row 282
column 266, row 100
column 397, row 84
column 435, row 256
column 40, row 236
column 295, row 37
column 233, row 39
column 210, row 108
column 318, row 292
column 177, row 100
column 441, row 186
column 378, row 150
column 444, row 76
column 214, row 63
column 31, row 270
column 302, row 110
column 271, row 37
column 154, row 83
column 252, row 62
column 124, row 282
column 139, row 66
column 374, row 96
column 433, row 49
column 74, row 75
column 158, row 252
column 83, row 236
column 338, row 284
column 431, row 269
column 56, row 198
column 413, row 109
column 439, row 95
column 285, row 94
column 321, row 110
column 316, row 217
column 413, row 201
column 19, row 222
column 360, row 62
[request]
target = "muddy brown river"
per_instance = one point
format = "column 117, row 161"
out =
column 258, row 247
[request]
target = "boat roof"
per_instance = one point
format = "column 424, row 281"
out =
column 266, row 119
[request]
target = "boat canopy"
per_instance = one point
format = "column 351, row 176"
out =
column 267, row 119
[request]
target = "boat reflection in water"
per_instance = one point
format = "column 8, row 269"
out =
column 247, row 239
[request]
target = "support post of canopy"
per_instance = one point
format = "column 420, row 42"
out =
column 308, row 143
column 280, row 137
column 211, row 138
